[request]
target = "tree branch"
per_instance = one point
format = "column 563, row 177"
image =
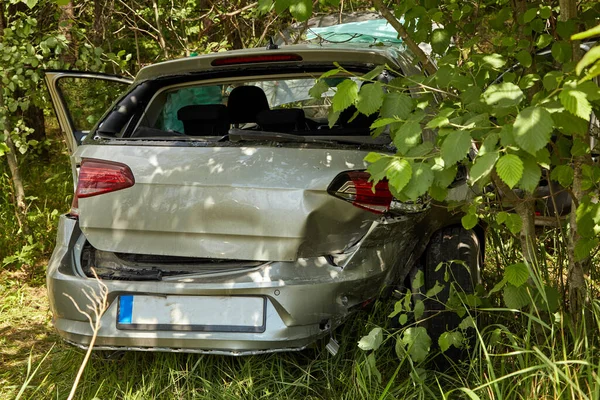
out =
column 412, row 45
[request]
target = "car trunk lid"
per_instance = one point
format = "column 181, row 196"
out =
column 263, row 203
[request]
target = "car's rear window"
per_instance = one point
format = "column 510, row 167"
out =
column 279, row 105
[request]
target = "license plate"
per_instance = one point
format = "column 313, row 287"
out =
column 192, row 313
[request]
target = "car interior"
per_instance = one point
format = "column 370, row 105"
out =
column 279, row 106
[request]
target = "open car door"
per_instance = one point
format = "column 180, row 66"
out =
column 80, row 99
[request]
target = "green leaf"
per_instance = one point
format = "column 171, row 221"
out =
column 532, row 129
column 345, row 96
column 455, row 147
column 3, row 149
column 417, row 342
column 570, row 124
column 301, row 9
column 510, row 169
column 370, row 98
column 420, row 150
column 531, row 174
column 435, row 290
column 483, row 166
column 264, row 6
column 403, row 319
column 552, row 79
column 419, row 309
column 375, row 72
column 448, row 339
column 587, row 34
column 562, row 174
column 372, row 341
column 332, row 117
column 397, row 309
column 516, row 297
column 545, row 12
column 438, row 193
column 407, row 136
column 588, row 59
column 378, row 169
column 503, row 95
column 543, row 41
column 524, row 58
column 516, row 274
column 440, row 40
column 469, row 221
column 528, row 81
column 441, row 119
column 591, row 90
column 496, row 61
column 580, row 148
column 372, row 368
column 31, row 3
column 373, row 157
column 562, row 52
column 584, row 247
column 329, row 73
column 396, row 104
column 420, row 181
column 467, row 323
column 320, row 87
column 576, row 103
column 506, row 136
column 513, row 223
column 530, row 15
column 445, row 177
column 399, row 174
column 418, row 280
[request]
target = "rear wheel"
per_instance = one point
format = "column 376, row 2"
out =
column 453, row 280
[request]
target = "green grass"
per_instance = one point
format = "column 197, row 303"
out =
column 27, row 337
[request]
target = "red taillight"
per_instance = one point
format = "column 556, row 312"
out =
column 255, row 59
column 354, row 187
column 98, row 177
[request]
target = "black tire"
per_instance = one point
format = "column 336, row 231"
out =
column 447, row 244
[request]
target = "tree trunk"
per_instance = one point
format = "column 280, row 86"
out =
column 65, row 26
column 525, row 209
column 98, row 24
column 161, row 38
column 576, row 274
column 11, row 156
column 578, row 300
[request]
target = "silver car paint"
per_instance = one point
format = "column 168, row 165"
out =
column 323, row 256
column 306, row 298
column 249, row 203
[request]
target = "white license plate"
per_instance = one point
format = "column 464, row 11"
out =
column 192, row 313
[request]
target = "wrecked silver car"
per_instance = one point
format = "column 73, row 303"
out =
column 222, row 213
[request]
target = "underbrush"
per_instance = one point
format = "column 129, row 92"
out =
column 49, row 189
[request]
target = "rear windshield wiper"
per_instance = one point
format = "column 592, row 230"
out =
column 240, row 135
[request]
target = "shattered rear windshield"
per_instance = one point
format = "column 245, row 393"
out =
column 271, row 105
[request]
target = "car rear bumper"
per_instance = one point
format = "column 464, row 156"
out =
column 305, row 299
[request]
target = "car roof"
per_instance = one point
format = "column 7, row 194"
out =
column 352, row 53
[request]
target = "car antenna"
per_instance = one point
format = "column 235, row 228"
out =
column 271, row 45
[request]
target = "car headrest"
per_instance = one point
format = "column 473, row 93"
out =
column 281, row 120
column 204, row 120
column 245, row 102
